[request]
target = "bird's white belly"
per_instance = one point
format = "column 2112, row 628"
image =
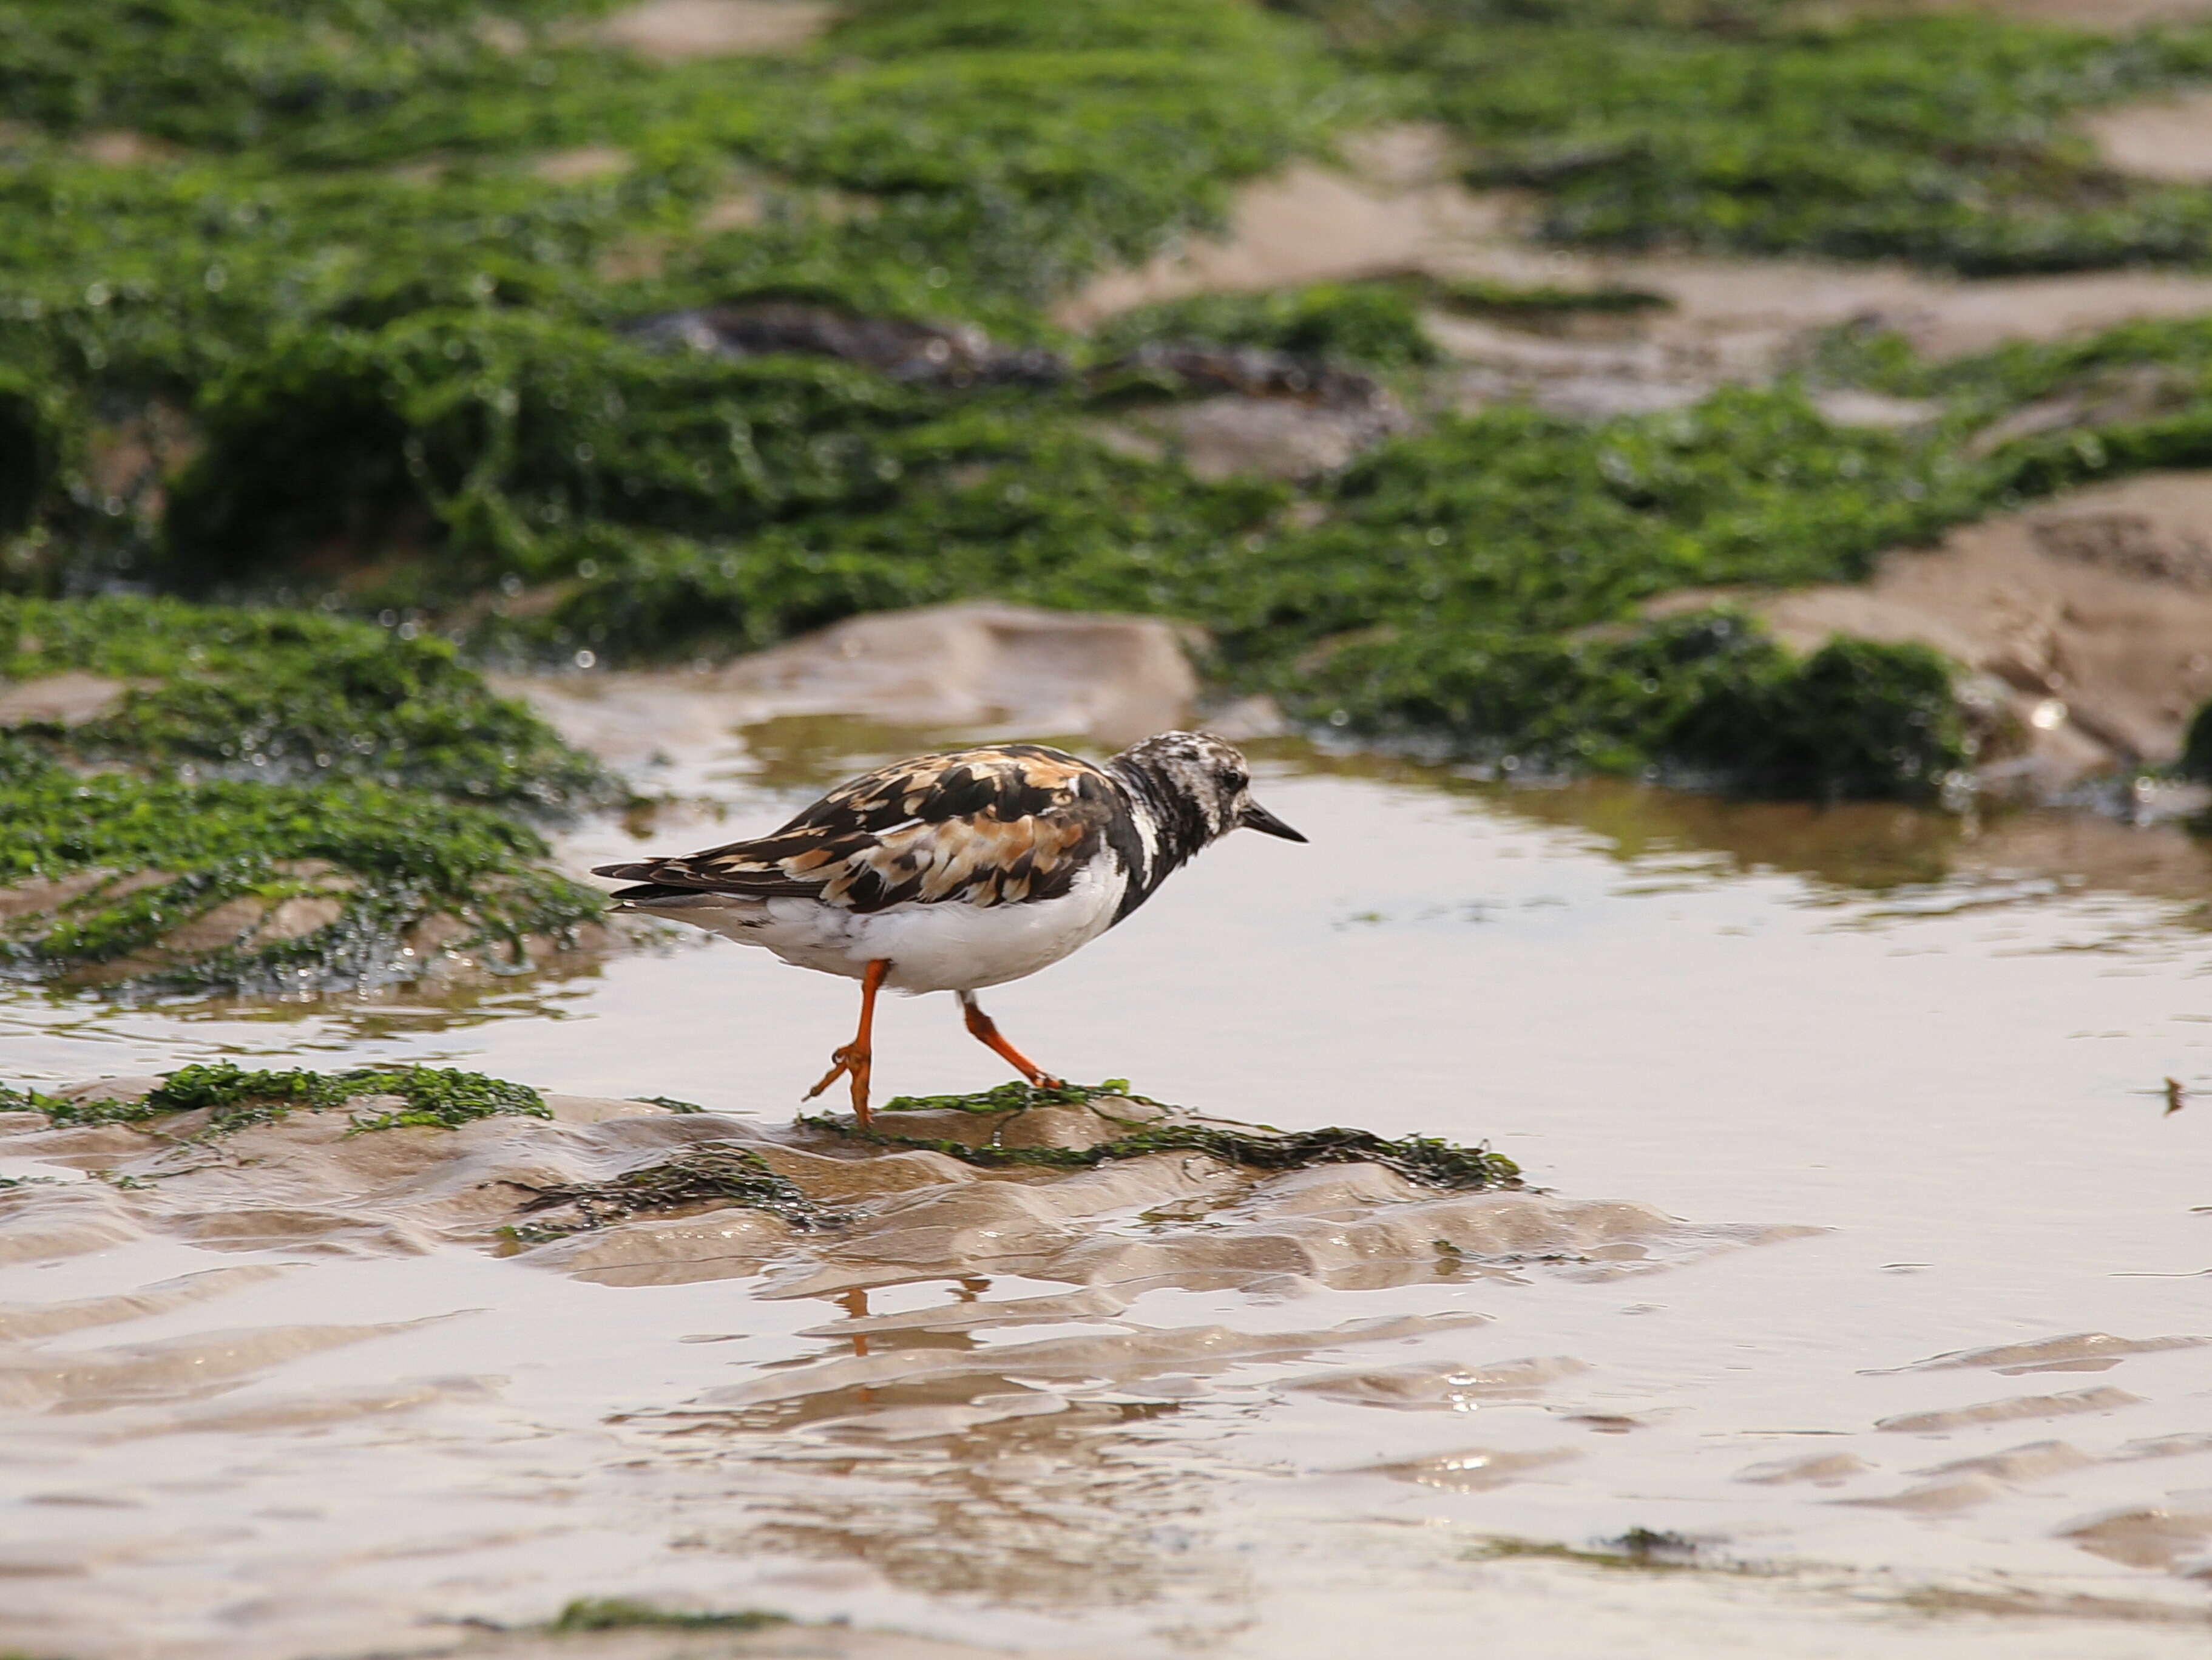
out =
column 940, row 947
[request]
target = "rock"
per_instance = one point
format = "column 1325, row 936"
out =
column 2168, row 138
column 1310, row 224
column 1116, row 678
column 587, row 161
column 951, row 355
column 1272, row 437
column 64, row 700
column 297, row 917
column 225, row 924
column 673, row 31
column 1000, row 670
column 44, row 895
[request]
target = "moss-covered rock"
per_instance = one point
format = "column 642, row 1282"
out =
column 1705, row 697
column 117, row 878
column 269, row 801
column 1132, row 1126
column 235, row 1098
column 220, row 692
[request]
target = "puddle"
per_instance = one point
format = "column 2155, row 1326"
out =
column 1884, row 1284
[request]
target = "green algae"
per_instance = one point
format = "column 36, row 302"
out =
column 626, row 1613
column 289, row 694
column 1513, row 299
column 1442, row 591
column 1429, row 1161
column 236, row 1099
column 1376, row 323
column 399, row 369
column 706, row 1175
column 371, row 863
column 1763, row 127
column 1644, row 1549
column 1703, row 695
column 272, row 801
column 2197, row 747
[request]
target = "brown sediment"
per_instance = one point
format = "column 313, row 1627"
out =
column 2167, row 138
column 585, row 162
column 674, row 30
column 1393, row 208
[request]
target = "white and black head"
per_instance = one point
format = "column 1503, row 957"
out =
column 1197, row 789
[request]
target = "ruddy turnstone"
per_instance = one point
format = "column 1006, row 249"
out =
column 954, row 871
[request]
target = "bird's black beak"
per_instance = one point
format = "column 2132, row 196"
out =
column 1257, row 818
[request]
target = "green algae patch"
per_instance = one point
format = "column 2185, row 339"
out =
column 1645, row 1550
column 1430, row 1162
column 333, row 335
column 236, row 1099
column 625, row 1613
column 2196, row 761
column 1376, row 323
column 1756, row 126
column 710, row 1175
column 265, row 801
column 1706, row 696
column 291, row 695
column 165, row 886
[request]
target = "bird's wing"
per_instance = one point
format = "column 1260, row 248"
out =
column 998, row 826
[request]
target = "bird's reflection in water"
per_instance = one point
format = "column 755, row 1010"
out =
column 979, row 1487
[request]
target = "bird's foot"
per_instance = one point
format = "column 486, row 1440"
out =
column 854, row 1062
column 840, row 1064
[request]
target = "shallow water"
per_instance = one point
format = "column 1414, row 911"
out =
column 1944, row 1046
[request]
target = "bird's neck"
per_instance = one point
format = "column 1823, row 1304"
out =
column 1171, row 829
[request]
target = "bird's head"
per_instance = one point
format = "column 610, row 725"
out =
column 1206, row 782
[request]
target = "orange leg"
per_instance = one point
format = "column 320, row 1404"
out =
column 855, row 1060
column 985, row 1030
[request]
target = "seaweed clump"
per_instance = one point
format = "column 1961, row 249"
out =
column 627, row 1614
column 709, row 1175
column 1376, row 324
column 236, row 1099
column 1427, row 1160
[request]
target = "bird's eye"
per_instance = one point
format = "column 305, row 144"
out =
column 1236, row 780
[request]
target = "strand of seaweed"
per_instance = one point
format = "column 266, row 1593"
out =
column 712, row 1172
column 1428, row 1160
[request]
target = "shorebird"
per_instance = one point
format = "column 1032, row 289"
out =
column 961, row 870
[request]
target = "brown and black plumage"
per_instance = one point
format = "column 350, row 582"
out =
column 955, row 871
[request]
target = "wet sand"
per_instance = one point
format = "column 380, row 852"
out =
column 1890, row 1314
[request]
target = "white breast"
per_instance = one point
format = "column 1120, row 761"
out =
column 941, row 947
